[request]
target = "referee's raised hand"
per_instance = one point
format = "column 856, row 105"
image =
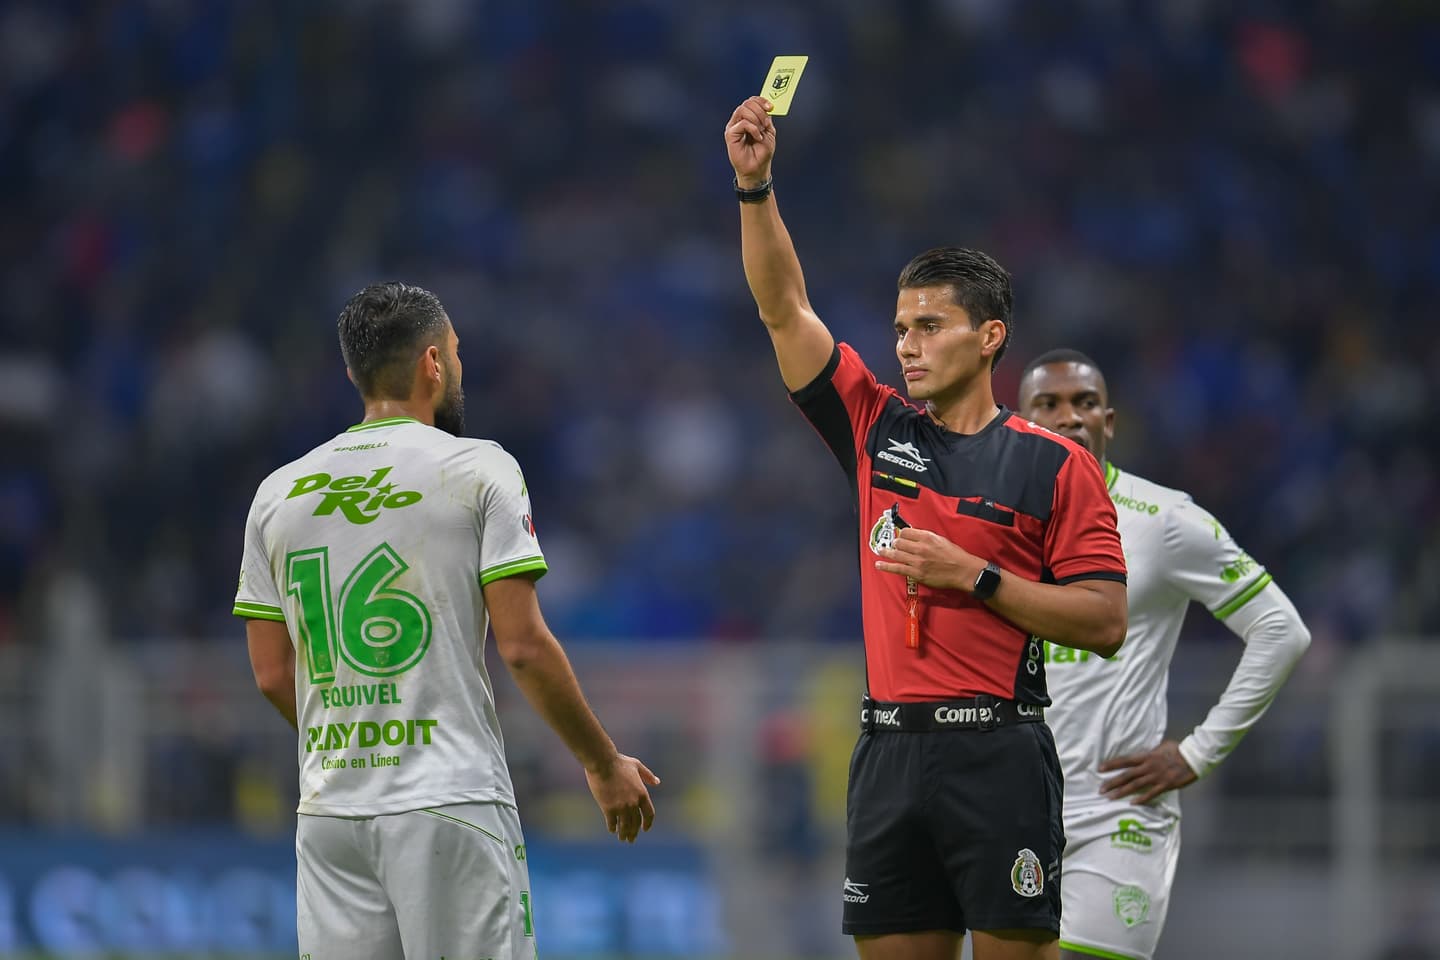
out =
column 750, row 141
column 621, row 792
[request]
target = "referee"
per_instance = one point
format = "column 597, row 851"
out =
column 978, row 532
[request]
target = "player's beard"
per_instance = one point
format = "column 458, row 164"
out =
column 450, row 414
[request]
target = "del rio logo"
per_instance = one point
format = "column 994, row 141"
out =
column 359, row 499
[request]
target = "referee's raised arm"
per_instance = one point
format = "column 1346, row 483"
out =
column 802, row 343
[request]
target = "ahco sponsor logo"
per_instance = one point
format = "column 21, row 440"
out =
column 1139, row 506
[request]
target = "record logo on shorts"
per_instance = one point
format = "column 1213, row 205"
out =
column 855, row 892
column 1132, row 905
column 1026, row 876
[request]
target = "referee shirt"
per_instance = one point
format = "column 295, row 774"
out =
column 1013, row 494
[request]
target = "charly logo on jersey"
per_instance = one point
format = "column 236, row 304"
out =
column 855, row 892
column 359, row 499
column 1132, row 905
column 903, row 454
column 1130, row 835
column 1027, row 877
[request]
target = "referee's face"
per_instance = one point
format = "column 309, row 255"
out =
column 1070, row 399
column 940, row 352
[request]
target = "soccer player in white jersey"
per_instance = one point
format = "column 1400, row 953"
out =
column 1122, row 815
column 372, row 568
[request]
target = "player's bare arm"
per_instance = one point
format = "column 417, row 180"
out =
column 802, row 343
column 272, row 659
column 1087, row 614
column 542, row 671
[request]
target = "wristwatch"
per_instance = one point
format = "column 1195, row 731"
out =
column 987, row 582
column 754, row 194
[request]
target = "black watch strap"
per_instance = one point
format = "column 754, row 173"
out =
column 987, row 582
column 755, row 195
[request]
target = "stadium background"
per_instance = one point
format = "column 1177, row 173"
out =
column 1235, row 212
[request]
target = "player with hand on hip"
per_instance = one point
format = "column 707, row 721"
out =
column 1122, row 814
column 373, row 566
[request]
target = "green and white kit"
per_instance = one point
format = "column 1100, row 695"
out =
column 373, row 549
column 1120, row 858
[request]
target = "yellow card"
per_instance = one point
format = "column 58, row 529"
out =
column 781, row 81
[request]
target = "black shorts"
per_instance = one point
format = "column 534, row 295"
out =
column 954, row 830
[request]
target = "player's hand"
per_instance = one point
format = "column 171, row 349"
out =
column 620, row 790
column 930, row 559
column 750, row 141
column 1147, row 774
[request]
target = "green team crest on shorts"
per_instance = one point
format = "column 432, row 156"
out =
column 1132, row 905
column 1027, row 876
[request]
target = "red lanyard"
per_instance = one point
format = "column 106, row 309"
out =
column 912, row 592
column 912, row 613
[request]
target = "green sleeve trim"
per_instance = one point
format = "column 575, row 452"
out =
column 377, row 424
column 258, row 611
column 1243, row 597
column 1094, row 951
column 511, row 567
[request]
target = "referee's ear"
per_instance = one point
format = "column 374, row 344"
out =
column 996, row 333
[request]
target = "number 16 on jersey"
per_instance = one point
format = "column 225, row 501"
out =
column 378, row 631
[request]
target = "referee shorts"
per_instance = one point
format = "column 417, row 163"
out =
column 953, row 830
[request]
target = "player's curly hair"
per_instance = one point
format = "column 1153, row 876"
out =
column 980, row 284
column 383, row 329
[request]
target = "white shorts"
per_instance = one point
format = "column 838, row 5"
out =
column 450, row 881
column 1115, row 880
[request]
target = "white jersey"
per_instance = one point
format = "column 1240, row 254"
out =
column 372, row 549
column 1175, row 552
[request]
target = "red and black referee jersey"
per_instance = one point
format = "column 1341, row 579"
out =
column 1014, row 494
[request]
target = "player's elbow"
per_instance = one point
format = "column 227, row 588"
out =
column 521, row 649
column 1299, row 640
column 273, row 679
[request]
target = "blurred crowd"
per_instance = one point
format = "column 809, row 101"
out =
column 1234, row 210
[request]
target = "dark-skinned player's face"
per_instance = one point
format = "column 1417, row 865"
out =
column 450, row 410
column 940, row 352
column 1070, row 399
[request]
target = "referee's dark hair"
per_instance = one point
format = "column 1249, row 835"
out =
column 1061, row 355
column 383, row 329
column 981, row 285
